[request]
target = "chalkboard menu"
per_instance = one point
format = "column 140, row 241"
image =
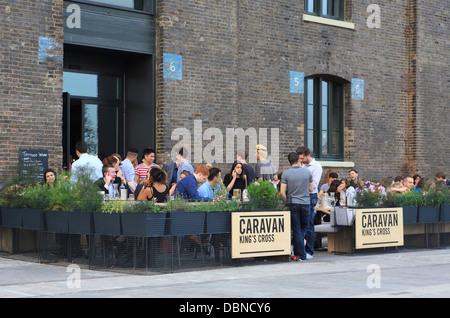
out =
column 33, row 164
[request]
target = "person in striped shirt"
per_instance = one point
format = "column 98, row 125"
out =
column 148, row 158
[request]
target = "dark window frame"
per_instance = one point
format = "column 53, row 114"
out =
column 334, row 126
column 317, row 9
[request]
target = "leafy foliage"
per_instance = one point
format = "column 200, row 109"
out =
column 64, row 195
column 262, row 195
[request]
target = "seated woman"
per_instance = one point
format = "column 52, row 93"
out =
column 345, row 185
column 155, row 187
column 49, row 179
column 183, row 174
column 336, row 187
column 236, row 179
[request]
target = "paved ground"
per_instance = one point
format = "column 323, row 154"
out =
column 407, row 273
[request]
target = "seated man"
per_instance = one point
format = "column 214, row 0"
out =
column 209, row 189
column 187, row 187
column 128, row 168
column 408, row 183
column 441, row 180
column 106, row 183
column 397, row 186
column 182, row 163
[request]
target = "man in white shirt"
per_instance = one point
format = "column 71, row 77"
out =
column 86, row 163
column 316, row 170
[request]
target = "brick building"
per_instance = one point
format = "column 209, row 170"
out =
column 364, row 85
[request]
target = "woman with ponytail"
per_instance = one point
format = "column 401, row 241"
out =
column 155, row 187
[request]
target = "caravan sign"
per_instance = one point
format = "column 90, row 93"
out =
column 256, row 234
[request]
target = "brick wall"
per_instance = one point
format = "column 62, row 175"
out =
column 433, row 87
column 237, row 56
column 30, row 88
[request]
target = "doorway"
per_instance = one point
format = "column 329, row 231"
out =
column 109, row 101
column 93, row 113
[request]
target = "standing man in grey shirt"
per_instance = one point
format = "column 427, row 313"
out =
column 296, row 184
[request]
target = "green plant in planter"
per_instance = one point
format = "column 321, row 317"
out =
column 262, row 195
column 408, row 199
column 226, row 206
column 141, row 207
column 11, row 193
column 202, row 206
column 33, row 197
column 81, row 196
column 436, row 197
column 114, row 206
column 179, row 205
column 261, row 190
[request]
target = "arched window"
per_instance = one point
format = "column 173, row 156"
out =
column 324, row 117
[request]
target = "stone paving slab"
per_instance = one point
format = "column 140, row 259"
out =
column 403, row 275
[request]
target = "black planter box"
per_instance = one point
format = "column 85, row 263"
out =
column 428, row 214
column 107, row 223
column 218, row 222
column 57, row 221
column 144, row 224
column 80, row 222
column 410, row 214
column 12, row 217
column 33, row 219
column 445, row 213
column 187, row 223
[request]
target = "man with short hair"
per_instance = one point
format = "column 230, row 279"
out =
column 355, row 180
column 148, row 158
column 86, row 163
column 183, row 163
column 441, row 179
column 397, row 186
column 408, row 182
column 127, row 168
column 210, row 188
column 316, row 171
column 295, row 188
column 187, row 187
column 107, row 182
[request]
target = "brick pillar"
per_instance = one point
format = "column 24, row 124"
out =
column 31, row 60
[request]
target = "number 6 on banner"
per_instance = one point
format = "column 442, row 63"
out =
column 172, row 66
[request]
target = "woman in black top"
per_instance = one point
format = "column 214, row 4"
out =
column 236, row 179
column 155, row 186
